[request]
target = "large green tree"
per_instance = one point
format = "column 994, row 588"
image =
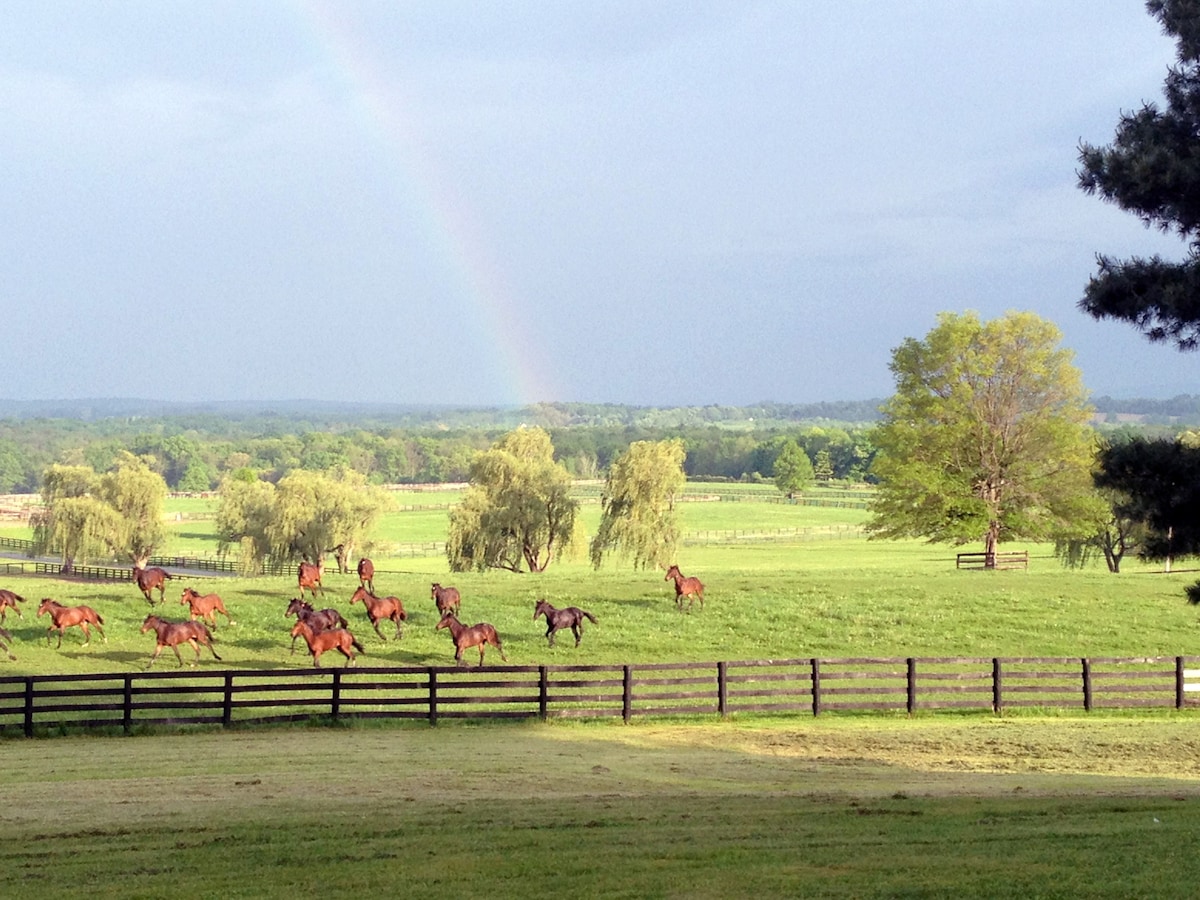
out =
column 986, row 438
column 1152, row 169
column 793, row 470
column 638, row 505
column 303, row 517
column 85, row 515
column 517, row 511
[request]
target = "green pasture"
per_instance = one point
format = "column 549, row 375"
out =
column 880, row 807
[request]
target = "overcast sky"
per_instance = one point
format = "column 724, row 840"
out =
column 657, row 203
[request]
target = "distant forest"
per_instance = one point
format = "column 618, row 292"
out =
column 194, row 445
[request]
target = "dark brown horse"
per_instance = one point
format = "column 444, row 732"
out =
column 366, row 574
column 446, row 598
column 9, row 600
column 204, row 607
column 318, row 620
column 309, row 578
column 465, row 637
column 172, row 634
column 380, row 608
column 685, row 587
column 338, row 639
column 65, row 617
column 572, row 617
column 149, row 579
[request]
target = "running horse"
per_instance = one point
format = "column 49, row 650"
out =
column 64, row 617
column 366, row 574
column 149, row 579
column 318, row 620
column 319, row 642
column 204, row 607
column 446, row 599
column 380, row 608
column 572, row 617
column 466, row 637
column 9, row 600
column 172, row 634
column 685, row 587
column 309, row 577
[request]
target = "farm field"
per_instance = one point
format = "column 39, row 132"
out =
column 879, row 807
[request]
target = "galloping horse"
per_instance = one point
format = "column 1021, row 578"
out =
column 309, row 577
column 366, row 574
column 205, row 607
column 149, row 579
column 65, row 617
column 685, row 587
column 318, row 620
column 446, row 598
column 380, row 608
column 572, row 617
column 172, row 634
column 465, row 637
column 338, row 639
column 9, row 600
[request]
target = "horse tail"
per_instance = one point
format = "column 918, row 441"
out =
column 590, row 616
column 356, row 645
column 99, row 618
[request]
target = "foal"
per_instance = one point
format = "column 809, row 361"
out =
column 172, row 634
column 475, row 636
column 338, row 639
column 205, row 607
column 685, row 587
column 572, row 617
column 380, row 608
column 65, row 617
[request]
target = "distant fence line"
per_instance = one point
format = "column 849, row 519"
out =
column 747, row 535
column 810, row 686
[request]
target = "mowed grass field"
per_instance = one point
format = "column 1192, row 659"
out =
column 939, row 805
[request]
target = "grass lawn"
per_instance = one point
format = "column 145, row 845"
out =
column 881, row 807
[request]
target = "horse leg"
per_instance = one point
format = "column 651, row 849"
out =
column 578, row 629
column 375, row 622
column 87, row 635
column 100, row 628
column 175, row 647
column 550, row 629
column 157, row 650
column 399, row 628
column 496, row 643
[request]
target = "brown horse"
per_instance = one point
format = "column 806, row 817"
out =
column 65, row 617
column 309, row 578
column 205, row 607
column 318, row 620
column 465, row 637
column 172, row 634
column 9, row 600
column 149, row 579
column 366, row 574
column 338, row 639
column 685, row 587
column 380, row 608
column 446, row 598
column 572, row 617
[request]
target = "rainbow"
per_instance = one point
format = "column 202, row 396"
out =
column 455, row 234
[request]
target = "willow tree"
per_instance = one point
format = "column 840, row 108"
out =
column 638, row 505
column 85, row 515
column 986, row 438
column 517, row 510
column 303, row 517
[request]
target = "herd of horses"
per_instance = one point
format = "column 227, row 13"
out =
column 323, row 630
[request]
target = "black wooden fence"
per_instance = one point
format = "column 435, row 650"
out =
column 789, row 686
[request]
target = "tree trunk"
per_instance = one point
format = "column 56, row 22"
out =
column 990, row 540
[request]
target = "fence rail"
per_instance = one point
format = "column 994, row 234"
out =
column 812, row 686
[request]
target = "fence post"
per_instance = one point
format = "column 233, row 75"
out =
column 1179, row 692
column 335, row 706
column 816, row 686
column 997, row 687
column 29, row 707
column 227, row 701
column 722, row 690
column 433, row 711
column 627, row 694
column 1087, row 684
column 127, row 706
column 911, row 703
column 543, row 692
